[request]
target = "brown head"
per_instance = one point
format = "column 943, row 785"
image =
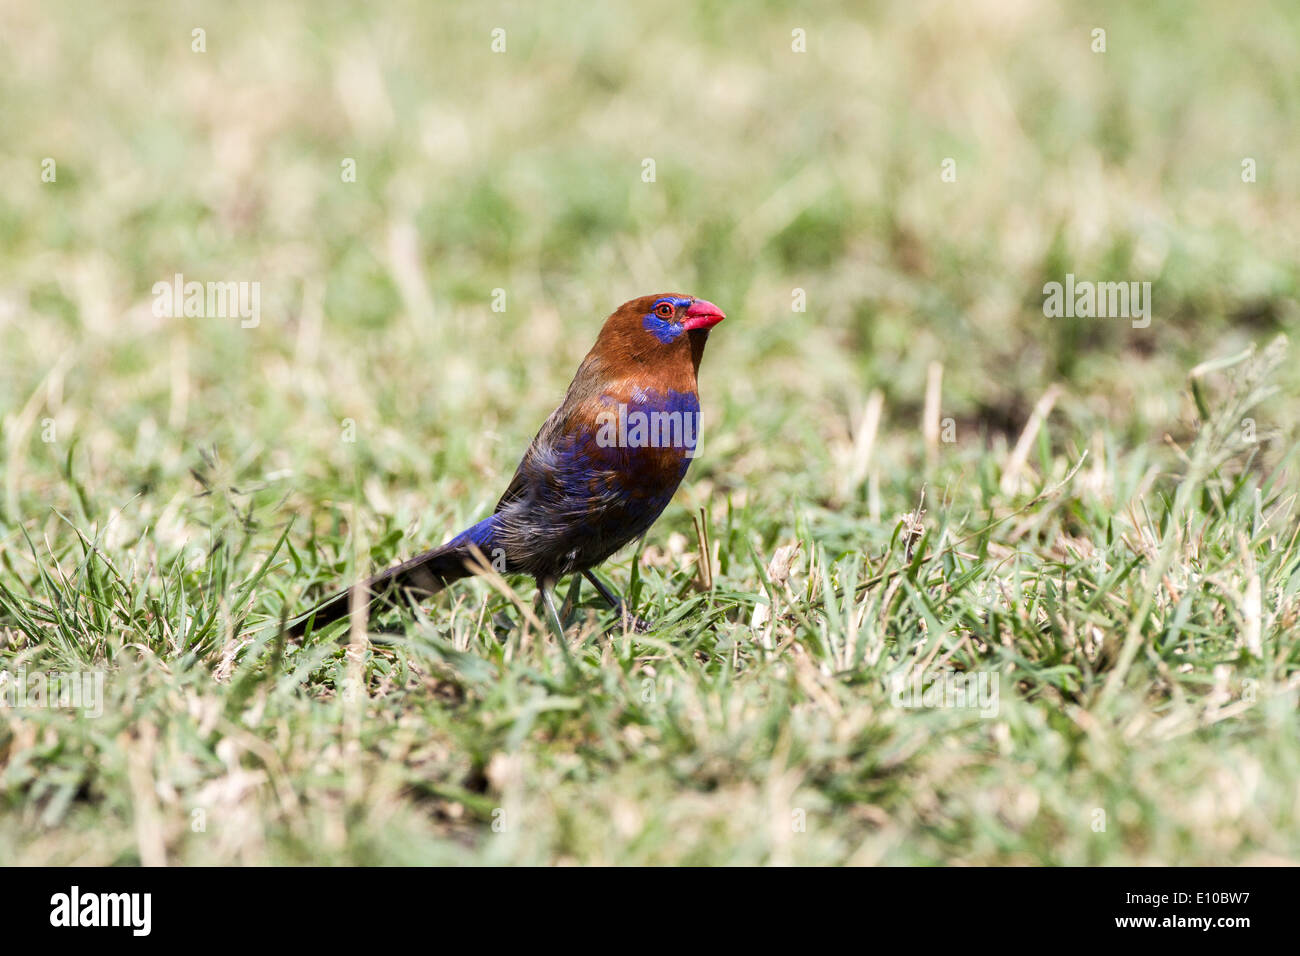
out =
column 666, row 331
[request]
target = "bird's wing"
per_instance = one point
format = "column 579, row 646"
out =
column 535, row 457
column 566, row 421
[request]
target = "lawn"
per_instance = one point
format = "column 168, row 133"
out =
column 951, row 580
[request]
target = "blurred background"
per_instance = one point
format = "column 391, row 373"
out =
column 522, row 170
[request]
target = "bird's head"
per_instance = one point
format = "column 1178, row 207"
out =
column 668, row 316
column 655, row 328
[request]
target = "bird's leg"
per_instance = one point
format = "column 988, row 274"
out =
column 571, row 599
column 626, row 616
column 552, row 614
column 605, row 592
column 544, row 589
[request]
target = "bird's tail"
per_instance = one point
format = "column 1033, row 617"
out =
column 415, row 579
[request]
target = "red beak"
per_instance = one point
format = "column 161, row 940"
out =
column 702, row 314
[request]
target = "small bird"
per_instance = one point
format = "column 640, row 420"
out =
column 599, row 473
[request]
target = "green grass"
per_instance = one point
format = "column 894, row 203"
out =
column 1124, row 565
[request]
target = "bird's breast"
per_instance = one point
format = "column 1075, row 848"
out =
column 649, row 428
column 604, row 474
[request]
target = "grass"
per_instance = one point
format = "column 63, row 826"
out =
column 1096, row 517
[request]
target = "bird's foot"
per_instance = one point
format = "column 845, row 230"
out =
column 503, row 626
column 632, row 623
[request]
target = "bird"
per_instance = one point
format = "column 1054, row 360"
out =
column 598, row 474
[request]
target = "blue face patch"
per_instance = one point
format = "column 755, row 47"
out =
column 665, row 330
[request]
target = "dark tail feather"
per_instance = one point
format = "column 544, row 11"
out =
column 422, row 576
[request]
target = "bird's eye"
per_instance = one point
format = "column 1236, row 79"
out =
column 664, row 310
